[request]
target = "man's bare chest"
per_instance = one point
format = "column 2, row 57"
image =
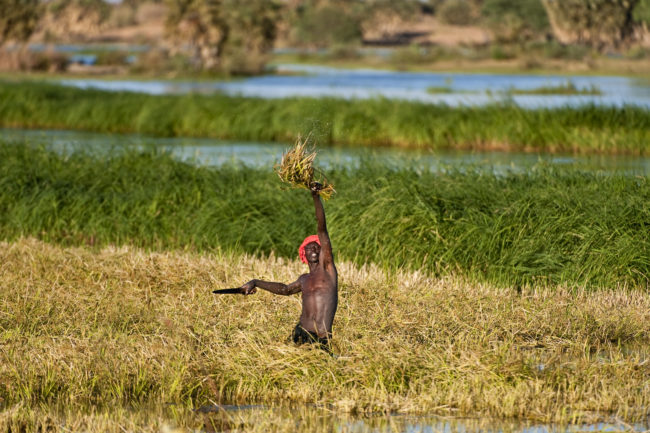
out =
column 319, row 282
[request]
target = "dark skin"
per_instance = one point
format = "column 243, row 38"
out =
column 319, row 287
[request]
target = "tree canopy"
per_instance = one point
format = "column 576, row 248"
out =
column 18, row 19
column 223, row 35
column 515, row 21
column 599, row 23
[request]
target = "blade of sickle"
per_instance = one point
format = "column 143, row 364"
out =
column 238, row 290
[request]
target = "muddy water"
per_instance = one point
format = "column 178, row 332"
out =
column 216, row 153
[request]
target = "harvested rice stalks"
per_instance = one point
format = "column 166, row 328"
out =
column 297, row 169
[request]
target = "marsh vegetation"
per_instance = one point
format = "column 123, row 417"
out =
column 547, row 226
column 375, row 122
column 519, row 295
column 567, row 88
column 464, row 292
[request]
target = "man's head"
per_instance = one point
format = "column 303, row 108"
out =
column 309, row 250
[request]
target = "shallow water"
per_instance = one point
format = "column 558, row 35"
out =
column 462, row 88
column 213, row 152
column 316, row 419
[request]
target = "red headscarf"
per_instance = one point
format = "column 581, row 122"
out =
column 308, row 240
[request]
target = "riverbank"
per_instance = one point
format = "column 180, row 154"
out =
column 124, row 328
column 547, row 226
column 376, row 122
column 521, row 63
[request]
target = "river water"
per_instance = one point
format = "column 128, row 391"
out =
column 460, row 89
column 213, row 152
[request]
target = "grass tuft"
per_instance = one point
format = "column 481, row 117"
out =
column 297, row 169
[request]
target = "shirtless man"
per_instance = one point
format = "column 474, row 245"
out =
column 319, row 287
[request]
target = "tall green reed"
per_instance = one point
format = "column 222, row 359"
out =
column 547, row 226
column 588, row 129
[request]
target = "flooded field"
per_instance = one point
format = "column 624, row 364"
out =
column 315, row 419
column 454, row 89
column 121, row 339
column 505, row 294
column 288, row 419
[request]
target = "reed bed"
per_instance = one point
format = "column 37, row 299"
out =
column 568, row 88
column 546, row 227
column 377, row 122
column 120, row 327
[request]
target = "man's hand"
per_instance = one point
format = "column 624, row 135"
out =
column 249, row 288
column 315, row 187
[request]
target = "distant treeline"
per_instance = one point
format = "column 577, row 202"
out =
column 546, row 226
column 235, row 36
column 374, row 122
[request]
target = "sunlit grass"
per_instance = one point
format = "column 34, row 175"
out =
column 124, row 328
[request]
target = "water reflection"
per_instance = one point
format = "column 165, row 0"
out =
column 315, row 419
column 212, row 152
column 461, row 88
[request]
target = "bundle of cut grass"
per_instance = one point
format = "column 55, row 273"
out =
column 297, row 169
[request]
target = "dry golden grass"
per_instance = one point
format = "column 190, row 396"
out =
column 297, row 169
column 121, row 328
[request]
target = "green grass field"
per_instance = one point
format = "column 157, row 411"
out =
column 377, row 122
column 546, row 227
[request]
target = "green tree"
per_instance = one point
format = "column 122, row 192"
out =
column 601, row 24
column 515, row 21
column 325, row 23
column 252, row 29
column 198, row 26
column 18, row 19
column 231, row 36
column 641, row 12
column 457, row 12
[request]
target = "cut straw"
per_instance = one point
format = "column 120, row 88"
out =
column 297, row 168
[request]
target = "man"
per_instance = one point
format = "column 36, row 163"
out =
column 319, row 287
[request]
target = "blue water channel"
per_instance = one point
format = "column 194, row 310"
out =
column 211, row 152
column 459, row 89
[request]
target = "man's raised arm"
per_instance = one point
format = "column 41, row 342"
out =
column 277, row 288
column 323, row 236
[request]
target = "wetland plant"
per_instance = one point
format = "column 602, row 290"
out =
column 568, row 88
column 373, row 122
column 546, row 226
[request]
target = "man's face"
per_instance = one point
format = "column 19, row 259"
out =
column 312, row 251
